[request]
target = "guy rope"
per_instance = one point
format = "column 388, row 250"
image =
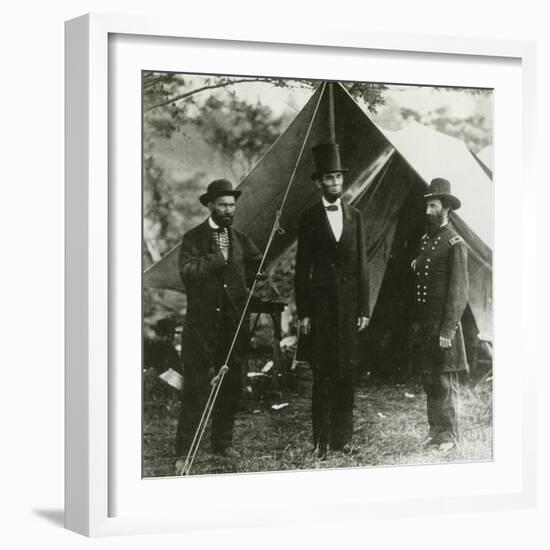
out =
column 218, row 379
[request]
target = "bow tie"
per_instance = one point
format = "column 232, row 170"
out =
column 220, row 230
column 331, row 208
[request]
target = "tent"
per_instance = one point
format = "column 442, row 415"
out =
column 485, row 159
column 440, row 155
column 388, row 173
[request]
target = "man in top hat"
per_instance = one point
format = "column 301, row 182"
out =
column 217, row 264
column 332, row 300
column 441, row 295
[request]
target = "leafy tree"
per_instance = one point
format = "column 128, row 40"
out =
column 474, row 130
column 169, row 97
column 371, row 94
column 238, row 130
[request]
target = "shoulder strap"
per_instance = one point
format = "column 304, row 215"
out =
column 456, row 239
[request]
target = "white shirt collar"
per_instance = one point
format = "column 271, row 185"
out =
column 212, row 223
column 337, row 202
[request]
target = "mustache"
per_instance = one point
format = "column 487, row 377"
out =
column 432, row 221
column 223, row 219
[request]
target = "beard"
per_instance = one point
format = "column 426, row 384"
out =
column 223, row 221
column 332, row 195
column 433, row 223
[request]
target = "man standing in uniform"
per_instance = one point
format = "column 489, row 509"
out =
column 217, row 264
column 331, row 299
column 441, row 295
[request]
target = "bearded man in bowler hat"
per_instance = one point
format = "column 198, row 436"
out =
column 217, row 265
column 441, row 295
column 331, row 290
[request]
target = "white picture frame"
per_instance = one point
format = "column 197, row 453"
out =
column 92, row 211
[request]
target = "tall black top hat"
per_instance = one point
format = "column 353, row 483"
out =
column 441, row 189
column 327, row 159
column 218, row 188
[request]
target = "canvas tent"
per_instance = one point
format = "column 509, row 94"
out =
column 388, row 173
column 485, row 159
column 440, row 155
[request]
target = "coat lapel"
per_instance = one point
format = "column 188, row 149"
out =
column 233, row 245
column 207, row 237
column 325, row 224
column 208, row 242
column 346, row 223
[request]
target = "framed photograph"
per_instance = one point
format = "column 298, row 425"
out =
column 289, row 269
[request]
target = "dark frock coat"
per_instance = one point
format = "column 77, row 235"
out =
column 331, row 288
column 333, row 271
column 216, row 291
column 210, row 283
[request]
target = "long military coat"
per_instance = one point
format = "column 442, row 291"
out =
column 440, row 298
column 211, row 282
column 331, row 284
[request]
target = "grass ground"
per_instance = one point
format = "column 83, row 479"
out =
column 389, row 426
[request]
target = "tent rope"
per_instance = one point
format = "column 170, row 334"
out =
column 218, row 379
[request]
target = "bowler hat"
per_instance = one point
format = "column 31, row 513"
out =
column 440, row 188
column 327, row 159
column 218, row 188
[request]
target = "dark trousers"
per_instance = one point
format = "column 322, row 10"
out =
column 196, row 389
column 332, row 410
column 443, row 401
column 333, row 381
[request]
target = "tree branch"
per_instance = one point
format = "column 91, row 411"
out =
column 198, row 90
column 151, row 84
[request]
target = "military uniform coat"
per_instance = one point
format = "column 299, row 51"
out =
column 331, row 284
column 440, row 297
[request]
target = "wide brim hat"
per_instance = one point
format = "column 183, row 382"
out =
column 327, row 159
column 218, row 188
column 440, row 188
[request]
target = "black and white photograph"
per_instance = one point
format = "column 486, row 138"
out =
column 317, row 274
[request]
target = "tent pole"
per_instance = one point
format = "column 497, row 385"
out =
column 332, row 126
